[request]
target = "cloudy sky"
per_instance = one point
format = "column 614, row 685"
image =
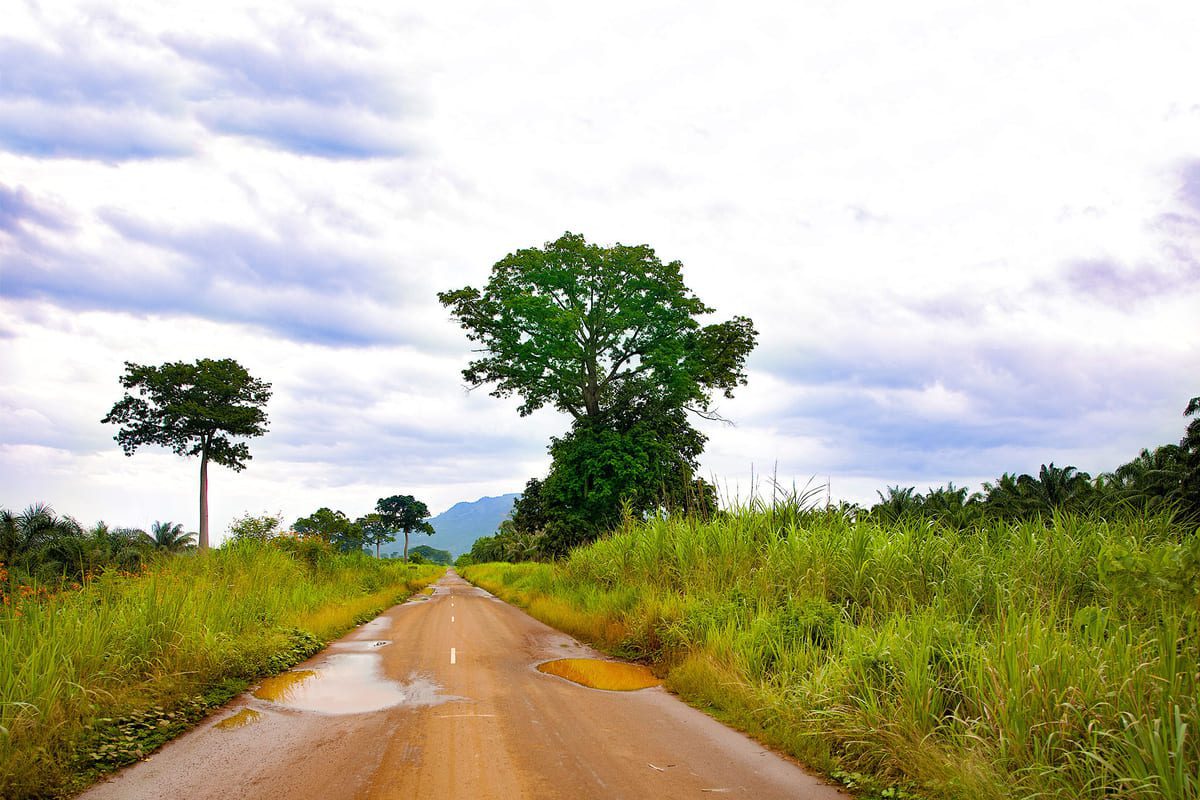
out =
column 969, row 234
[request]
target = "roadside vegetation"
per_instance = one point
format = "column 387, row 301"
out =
column 1048, row 657
column 101, row 668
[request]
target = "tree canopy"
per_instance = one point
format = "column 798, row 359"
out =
column 576, row 325
column 333, row 527
column 192, row 409
column 375, row 531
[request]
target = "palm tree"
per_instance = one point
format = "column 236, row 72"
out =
column 1190, row 444
column 1003, row 498
column 897, row 504
column 1055, row 487
column 24, row 535
column 952, row 506
column 169, row 537
column 1154, row 476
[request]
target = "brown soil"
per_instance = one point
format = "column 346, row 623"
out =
column 396, row 719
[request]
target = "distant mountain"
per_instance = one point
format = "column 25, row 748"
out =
column 459, row 526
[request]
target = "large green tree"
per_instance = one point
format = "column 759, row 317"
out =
column 194, row 410
column 613, row 337
column 576, row 326
column 403, row 512
column 639, row 456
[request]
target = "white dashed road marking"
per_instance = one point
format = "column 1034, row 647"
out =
column 453, row 655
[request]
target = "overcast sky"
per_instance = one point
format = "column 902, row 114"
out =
column 969, row 234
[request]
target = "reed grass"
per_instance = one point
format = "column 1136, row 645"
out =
column 87, row 676
column 1055, row 659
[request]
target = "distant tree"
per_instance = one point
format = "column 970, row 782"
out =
column 93, row 550
column 1152, row 479
column 1190, row 445
column 376, row 531
column 432, row 555
column 260, row 528
column 192, row 409
column 1055, row 488
column 1004, row 498
column 952, row 506
column 24, row 536
column 486, row 549
column 897, row 504
column 169, row 537
column 332, row 527
column 403, row 512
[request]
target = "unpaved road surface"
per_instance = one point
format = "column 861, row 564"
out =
column 440, row 698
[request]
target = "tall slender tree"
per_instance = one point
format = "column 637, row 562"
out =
column 403, row 512
column 194, row 410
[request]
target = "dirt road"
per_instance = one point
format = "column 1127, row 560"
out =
column 440, row 698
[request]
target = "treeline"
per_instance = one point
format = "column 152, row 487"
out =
column 39, row 546
column 1163, row 480
column 1156, row 480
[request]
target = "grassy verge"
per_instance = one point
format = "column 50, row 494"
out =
column 1016, row 661
column 96, row 678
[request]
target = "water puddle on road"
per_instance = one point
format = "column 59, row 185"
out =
column 279, row 688
column 597, row 674
column 239, row 720
column 347, row 683
column 359, row 645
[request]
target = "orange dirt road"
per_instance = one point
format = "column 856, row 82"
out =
column 460, row 712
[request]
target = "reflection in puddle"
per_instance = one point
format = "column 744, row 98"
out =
column 346, row 683
column 278, row 688
column 359, row 645
column 597, row 674
column 239, row 720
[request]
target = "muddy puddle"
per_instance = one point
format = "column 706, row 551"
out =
column 347, row 683
column 359, row 645
column 597, row 674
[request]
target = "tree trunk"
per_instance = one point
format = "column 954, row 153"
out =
column 406, row 547
column 203, row 544
column 377, row 548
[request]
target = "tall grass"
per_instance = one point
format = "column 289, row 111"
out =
column 1050, row 660
column 86, row 676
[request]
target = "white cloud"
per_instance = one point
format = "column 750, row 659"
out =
column 932, row 213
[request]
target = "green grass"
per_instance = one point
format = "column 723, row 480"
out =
column 96, row 678
column 1016, row 661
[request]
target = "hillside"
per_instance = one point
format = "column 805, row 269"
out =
column 460, row 525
